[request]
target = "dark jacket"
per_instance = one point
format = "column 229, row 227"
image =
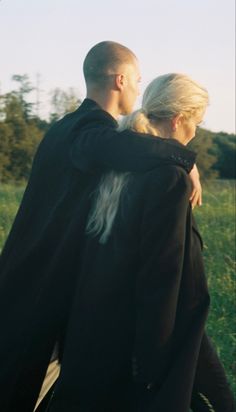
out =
column 40, row 262
column 141, row 297
column 135, row 339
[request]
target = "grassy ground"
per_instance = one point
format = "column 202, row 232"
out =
column 10, row 197
column 216, row 221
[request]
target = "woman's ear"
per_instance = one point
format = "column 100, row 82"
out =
column 176, row 121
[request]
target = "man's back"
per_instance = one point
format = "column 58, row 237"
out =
column 38, row 259
column 50, row 182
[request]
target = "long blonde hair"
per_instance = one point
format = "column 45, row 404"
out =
column 106, row 202
column 165, row 97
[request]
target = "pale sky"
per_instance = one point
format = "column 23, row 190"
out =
column 196, row 37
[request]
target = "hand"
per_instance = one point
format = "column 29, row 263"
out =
column 196, row 195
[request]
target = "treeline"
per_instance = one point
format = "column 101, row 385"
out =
column 22, row 128
column 216, row 154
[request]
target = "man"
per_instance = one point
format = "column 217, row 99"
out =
column 40, row 261
column 116, row 94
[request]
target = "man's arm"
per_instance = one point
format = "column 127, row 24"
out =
column 98, row 146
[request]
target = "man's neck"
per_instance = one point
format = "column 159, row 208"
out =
column 107, row 103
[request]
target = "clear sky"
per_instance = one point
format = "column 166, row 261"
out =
column 196, row 37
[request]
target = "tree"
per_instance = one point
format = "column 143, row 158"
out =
column 203, row 145
column 225, row 149
column 23, row 91
column 5, row 133
column 63, row 102
column 20, row 140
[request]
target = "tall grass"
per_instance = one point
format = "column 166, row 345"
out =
column 216, row 221
column 10, row 197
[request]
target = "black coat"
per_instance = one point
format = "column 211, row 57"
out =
column 41, row 261
column 141, row 297
column 135, row 340
column 41, row 266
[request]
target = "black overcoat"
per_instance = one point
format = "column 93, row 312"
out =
column 40, row 263
column 140, row 305
column 135, row 339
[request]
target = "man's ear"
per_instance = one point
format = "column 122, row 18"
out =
column 176, row 121
column 119, row 81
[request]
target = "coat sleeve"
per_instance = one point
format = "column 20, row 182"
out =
column 98, row 146
column 211, row 390
column 161, row 262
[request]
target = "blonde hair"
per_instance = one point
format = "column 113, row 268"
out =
column 106, row 204
column 165, row 97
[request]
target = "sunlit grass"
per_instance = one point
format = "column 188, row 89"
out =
column 216, row 221
column 10, row 197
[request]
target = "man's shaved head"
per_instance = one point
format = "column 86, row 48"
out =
column 104, row 59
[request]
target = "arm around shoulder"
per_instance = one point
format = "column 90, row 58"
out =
column 99, row 146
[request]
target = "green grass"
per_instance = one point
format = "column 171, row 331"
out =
column 10, row 197
column 216, row 221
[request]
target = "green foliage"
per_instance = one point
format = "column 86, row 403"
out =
column 5, row 134
column 226, row 155
column 10, row 197
column 215, row 220
column 24, row 89
column 216, row 154
column 21, row 130
column 203, row 145
column 63, row 102
column 19, row 139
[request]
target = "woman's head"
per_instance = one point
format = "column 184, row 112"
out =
column 173, row 105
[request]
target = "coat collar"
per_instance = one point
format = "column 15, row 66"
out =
column 89, row 104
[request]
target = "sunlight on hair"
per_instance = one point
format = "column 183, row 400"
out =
column 106, row 205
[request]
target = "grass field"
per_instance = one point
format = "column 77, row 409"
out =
column 216, row 221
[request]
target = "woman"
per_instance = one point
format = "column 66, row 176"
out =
column 135, row 340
